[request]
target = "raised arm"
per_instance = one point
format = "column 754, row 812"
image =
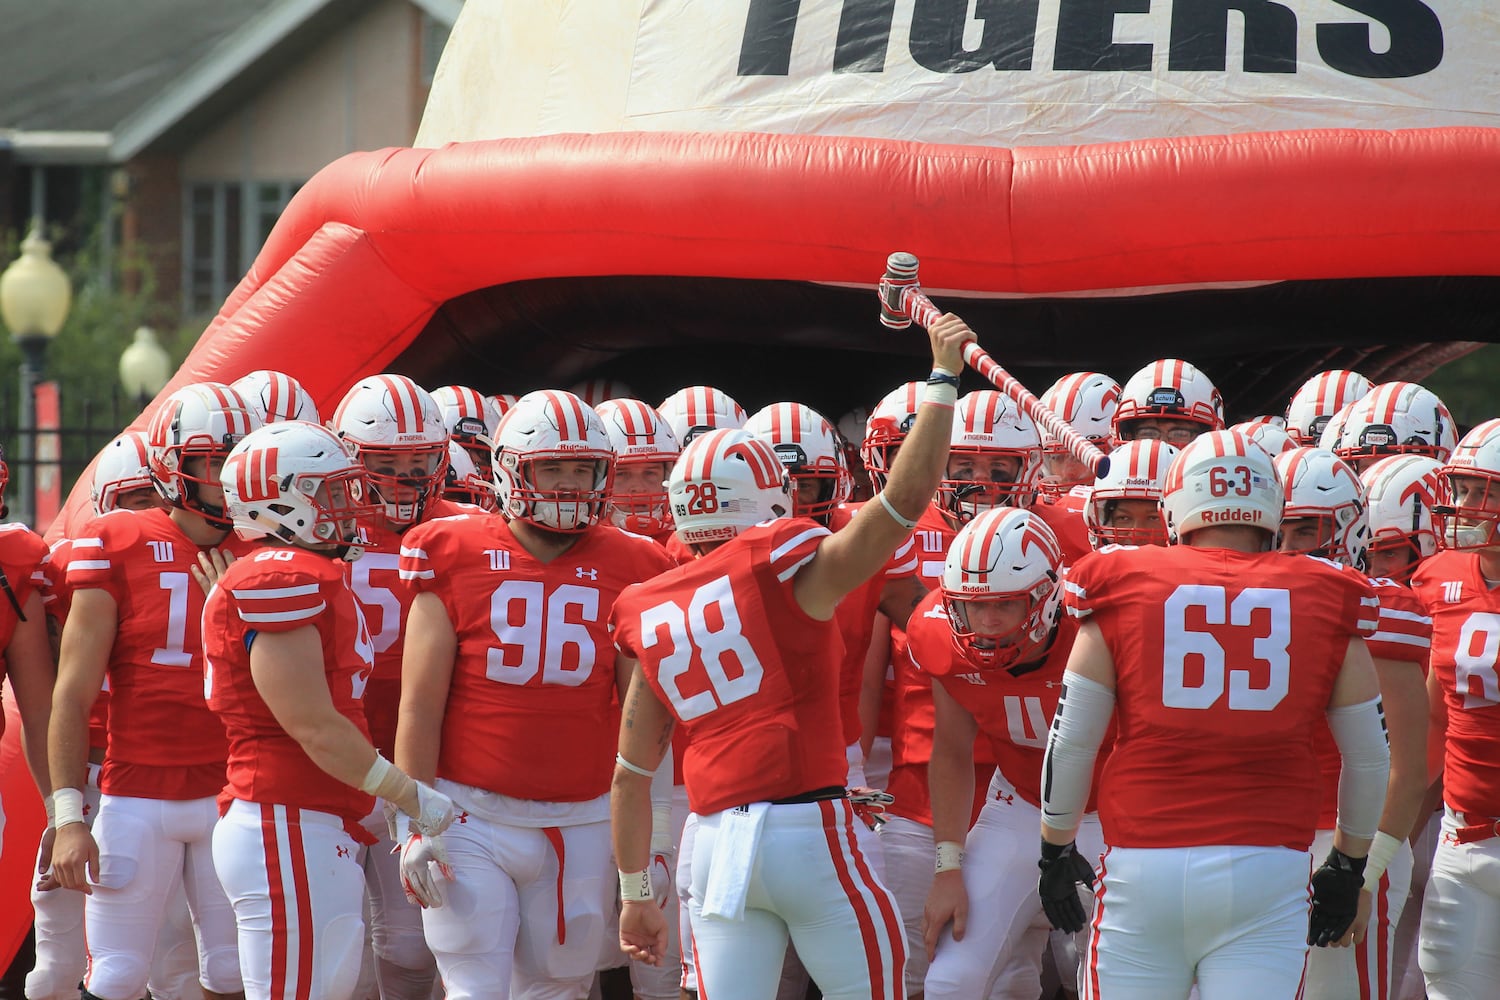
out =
column 851, row 556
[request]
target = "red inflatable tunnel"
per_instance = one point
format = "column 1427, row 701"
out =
column 405, row 258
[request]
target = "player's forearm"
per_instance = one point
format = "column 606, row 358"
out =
column 950, row 780
column 338, row 747
column 67, row 744
column 630, row 819
column 1364, row 771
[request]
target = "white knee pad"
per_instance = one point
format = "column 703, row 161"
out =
column 221, row 970
column 118, row 975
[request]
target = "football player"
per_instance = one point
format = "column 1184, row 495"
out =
column 135, row 620
column 1169, row 400
column 1394, row 418
column 1219, row 656
column 740, row 647
column 287, row 660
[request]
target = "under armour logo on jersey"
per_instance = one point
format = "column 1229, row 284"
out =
column 161, row 551
column 1005, row 797
column 343, row 851
column 463, row 817
column 1453, row 591
column 581, row 573
column 499, row 558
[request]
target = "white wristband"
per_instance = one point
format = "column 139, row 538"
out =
column 379, row 768
column 1382, row 850
column 950, row 856
column 941, row 393
column 896, row 515
column 635, row 887
column 67, row 807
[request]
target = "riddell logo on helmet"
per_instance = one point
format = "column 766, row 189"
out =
column 1234, row 516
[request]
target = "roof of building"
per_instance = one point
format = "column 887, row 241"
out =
column 103, row 79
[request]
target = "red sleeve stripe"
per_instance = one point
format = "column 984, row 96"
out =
column 1076, row 600
column 88, row 543
column 407, row 553
column 78, row 565
column 289, row 615
column 275, row 593
column 790, row 556
column 1401, row 639
column 414, row 574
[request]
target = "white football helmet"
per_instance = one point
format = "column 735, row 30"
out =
column 1268, row 435
column 1005, row 554
column 640, row 437
column 1137, row 471
column 1467, row 513
column 1222, row 478
column 547, row 426
column 887, row 427
column 1396, row 418
column 395, row 428
column 464, row 482
column 599, row 390
column 1319, row 398
column 274, row 396
column 204, row 420
column 124, row 466
column 727, row 480
column 1087, row 402
column 471, row 419
column 1171, row 389
column 988, row 424
column 809, row 447
column 1320, row 486
column 297, row 482
column 1401, row 491
column 698, row 408
column 503, row 401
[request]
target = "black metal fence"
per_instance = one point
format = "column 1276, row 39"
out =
column 88, row 424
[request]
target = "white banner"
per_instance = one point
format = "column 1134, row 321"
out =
column 991, row 72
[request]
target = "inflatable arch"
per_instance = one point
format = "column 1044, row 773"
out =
column 638, row 203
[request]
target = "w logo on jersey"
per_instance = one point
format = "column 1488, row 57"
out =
column 1453, row 591
column 255, row 475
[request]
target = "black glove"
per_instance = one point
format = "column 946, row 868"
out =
column 1062, row 870
column 1335, row 897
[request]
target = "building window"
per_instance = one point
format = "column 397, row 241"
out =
column 225, row 223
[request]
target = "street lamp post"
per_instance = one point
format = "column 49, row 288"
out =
column 145, row 367
column 34, row 300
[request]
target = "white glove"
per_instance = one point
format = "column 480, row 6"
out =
column 434, row 811
column 424, row 869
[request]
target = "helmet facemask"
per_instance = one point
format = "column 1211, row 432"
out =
column 563, row 509
column 1002, row 649
column 981, row 479
column 1466, row 516
column 403, row 478
column 638, row 500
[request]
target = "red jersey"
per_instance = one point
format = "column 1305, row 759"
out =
column 281, row 589
column 1465, row 647
column 164, row 743
column 1215, row 727
column 856, row 618
column 532, row 709
column 1013, row 707
column 1064, row 515
column 57, row 598
column 1404, row 636
column 375, row 579
column 21, row 554
column 742, row 668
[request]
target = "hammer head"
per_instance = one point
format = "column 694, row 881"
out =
column 900, row 272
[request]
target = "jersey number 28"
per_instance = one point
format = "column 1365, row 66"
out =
column 707, row 631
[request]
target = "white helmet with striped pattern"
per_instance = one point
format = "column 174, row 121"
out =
column 471, row 418
column 1222, row 478
column 276, row 396
column 988, row 425
column 1004, row 554
column 1087, row 402
column 123, row 467
column 1323, row 488
column 395, row 428
column 204, row 420
column 886, row 428
column 1467, row 513
column 1137, row 471
column 725, row 481
column 698, row 408
column 1313, row 405
column 1396, row 418
column 552, row 425
column 808, row 445
column 640, row 438
column 1402, row 490
column 1171, row 389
